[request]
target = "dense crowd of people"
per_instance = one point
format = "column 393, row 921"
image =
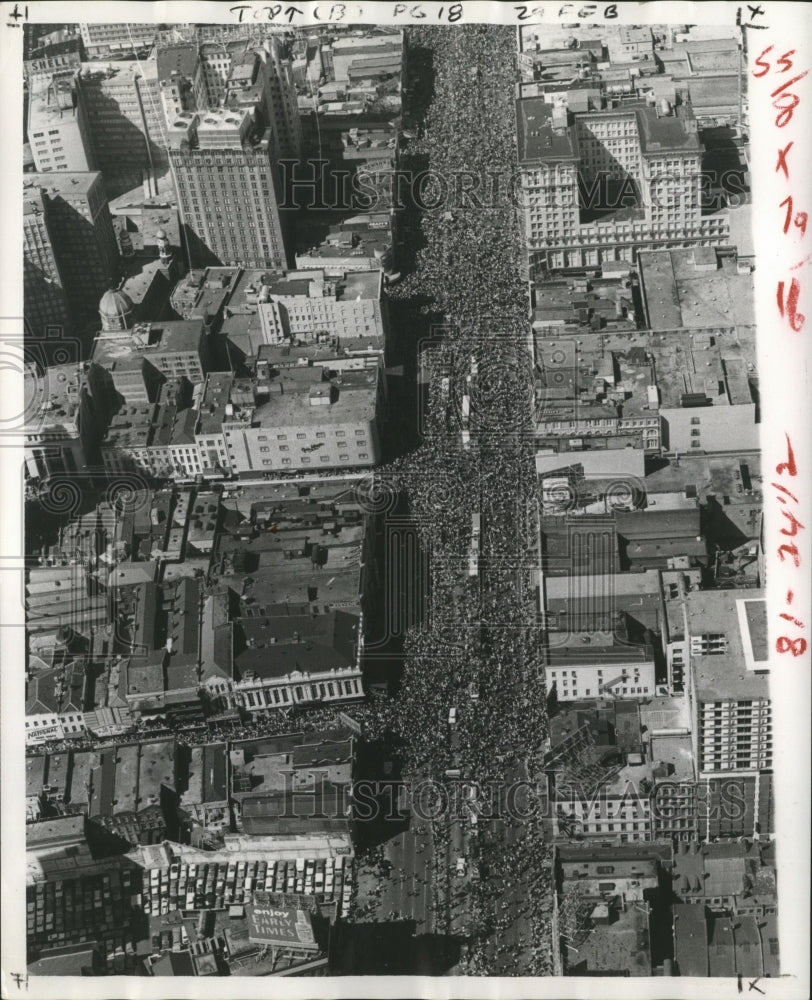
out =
column 478, row 650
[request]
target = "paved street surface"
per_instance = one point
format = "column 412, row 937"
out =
column 406, row 890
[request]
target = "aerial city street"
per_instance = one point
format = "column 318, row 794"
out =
column 394, row 579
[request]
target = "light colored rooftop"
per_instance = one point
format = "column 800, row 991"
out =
column 353, row 400
column 595, row 464
column 695, row 289
column 717, row 363
column 676, row 751
column 112, row 72
column 739, row 616
column 66, row 184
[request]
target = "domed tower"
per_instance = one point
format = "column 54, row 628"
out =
column 165, row 255
column 116, row 311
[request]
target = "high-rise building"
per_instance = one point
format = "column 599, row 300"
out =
column 182, row 79
column 226, row 177
column 598, row 186
column 80, row 231
column 114, row 38
column 44, row 293
column 280, row 105
column 238, row 73
column 728, row 685
column 121, row 102
column 56, row 125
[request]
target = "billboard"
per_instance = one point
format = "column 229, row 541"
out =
column 281, row 926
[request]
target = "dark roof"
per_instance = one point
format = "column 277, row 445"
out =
column 103, row 778
column 666, row 134
column 748, row 947
column 62, row 830
column 214, row 772
column 690, row 939
column 324, row 642
column 770, row 953
column 644, row 524
column 174, row 964
column 536, row 138
column 721, row 949
column 664, row 547
column 296, row 812
column 58, row 690
column 176, row 59
column 70, row 960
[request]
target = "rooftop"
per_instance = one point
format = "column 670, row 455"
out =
column 281, row 645
column 677, row 753
column 54, row 832
column 690, row 939
column 118, row 72
column 620, row 946
column 141, row 275
column 292, row 762
column 353, row 399
column 695, row 288
column 538, row 141
column 721, row 947
column 163, row 337
column 55, row 396
column 594, row 648
column 594, row 464
column 58, row 690
column 739, row 616
column 50, row 101
column 713, row 365
column 203, row 293
column 66, row 184
column 667, row 133
column 176, row 59
column 351, row 286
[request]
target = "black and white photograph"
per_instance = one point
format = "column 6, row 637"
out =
column 406, row 499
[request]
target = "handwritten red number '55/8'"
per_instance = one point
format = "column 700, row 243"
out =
column 784, row 101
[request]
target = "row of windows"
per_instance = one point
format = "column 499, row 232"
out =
column 305, row 460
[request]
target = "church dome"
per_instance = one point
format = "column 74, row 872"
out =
column 116, row 310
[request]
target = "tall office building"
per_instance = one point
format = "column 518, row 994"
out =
column 181, row 79
column 598, row 186
column 56, row 125
column 234, row 73
column 83, row 245
column 44, row 293
column 728, row 681
column 280, row 107
column 114, row 38
column 225, row 172
column 121, row 103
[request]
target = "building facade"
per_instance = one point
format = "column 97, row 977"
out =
column 43, row 289
column 56, row 127
column 729, row 681
column 80, row 229
column 121, row 102
column 115, row 39
column 598, row 186
column 227, row 187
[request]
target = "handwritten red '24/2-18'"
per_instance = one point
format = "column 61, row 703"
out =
column 796, row 645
